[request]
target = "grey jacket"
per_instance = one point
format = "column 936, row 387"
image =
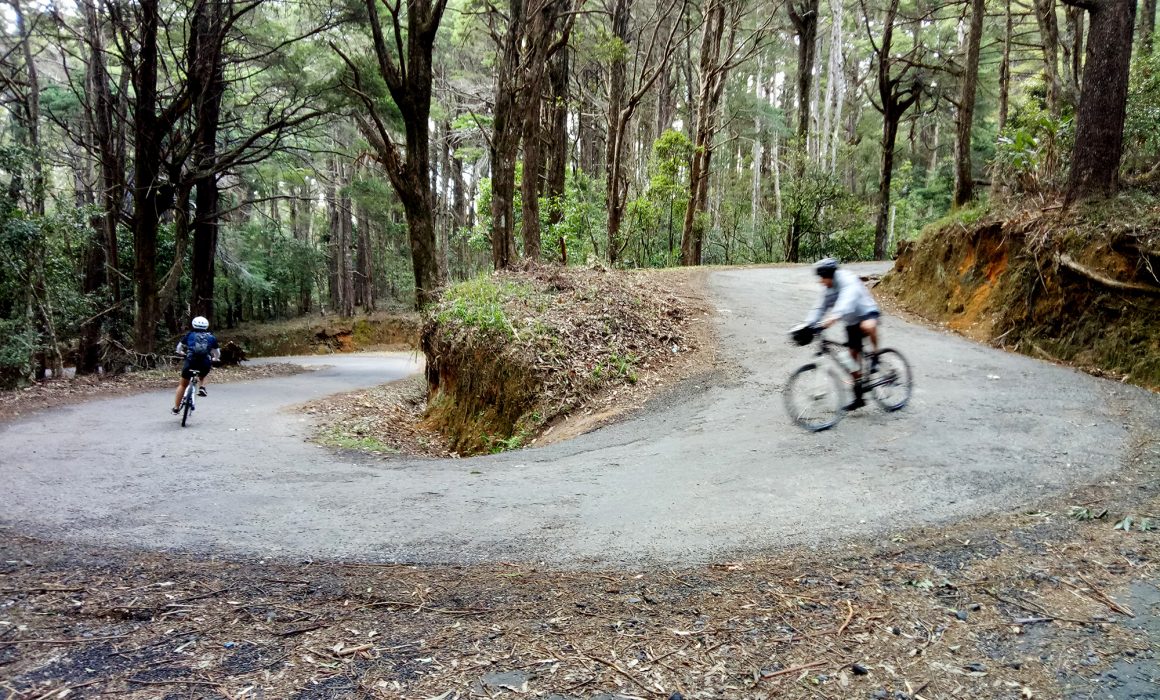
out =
column 848, row 299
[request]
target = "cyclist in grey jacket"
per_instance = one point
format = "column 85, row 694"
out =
column 846, row 299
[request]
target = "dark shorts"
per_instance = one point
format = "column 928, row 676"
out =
column 854, row 334
column 191, row 366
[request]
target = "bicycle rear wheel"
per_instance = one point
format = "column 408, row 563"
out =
column 187, row 403
column 891, row 385
column 813, row 397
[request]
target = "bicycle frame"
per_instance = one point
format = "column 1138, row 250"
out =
column 830, row 348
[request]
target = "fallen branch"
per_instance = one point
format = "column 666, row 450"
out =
column 849, row 616
column 42, row 589
column 622, row 672
column 78, row 640
column 793, row 669
column 1037, row 609
column 1103, row 598
column 1067, row 261
column 423, row 606
column 347, row 651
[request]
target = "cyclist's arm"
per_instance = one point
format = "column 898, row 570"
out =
column 180, row 349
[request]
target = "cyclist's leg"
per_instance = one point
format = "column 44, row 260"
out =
column 869, row 328
column 203, row 373
column 180, row 391
column 854, row 336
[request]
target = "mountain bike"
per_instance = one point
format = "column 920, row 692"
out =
column 187, row 406
column 816, row 393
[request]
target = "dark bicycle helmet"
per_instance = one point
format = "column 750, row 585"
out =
column 826, row 267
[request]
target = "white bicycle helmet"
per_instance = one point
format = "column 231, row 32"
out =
column 201, row 323
column 826, row 267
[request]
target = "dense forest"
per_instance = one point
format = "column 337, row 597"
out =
column 264, row 159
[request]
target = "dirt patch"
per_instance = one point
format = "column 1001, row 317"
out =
column 64, row 392
column 1078, row 286
column 1035, row 604
column 512, row 356
column 387, row 419
column 314, row 335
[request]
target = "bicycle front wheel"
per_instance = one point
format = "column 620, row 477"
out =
column 184, row 411
column 891, row 385
column 813, row 397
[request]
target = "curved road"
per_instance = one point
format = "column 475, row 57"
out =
column 702, row 474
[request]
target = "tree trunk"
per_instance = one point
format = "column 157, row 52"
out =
column 207, row 85
column 409, row 82
column 1099, row 135
column 557, row 136
column 885, row 178
column 1049, row 34
column 617, row 96
column 1072, row 53
column 146, row 181
column 693, row 233
column 964, row 176
column 834, row 77
column 1005, row 69
column 530, row 185
column 1147, row 26
column 589, row 119
column 804, row 16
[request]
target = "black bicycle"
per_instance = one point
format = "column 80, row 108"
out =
column 817, row 393
column 187, row 406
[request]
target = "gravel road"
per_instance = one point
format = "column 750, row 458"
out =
column 709, row 471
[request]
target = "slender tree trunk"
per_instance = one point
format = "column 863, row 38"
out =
column 617, row 123
column 833, row 78
column 1005, row 69
column 1099, row 135
column 1072, row 53
column 557, row 135
column 886, row 177
column 693, row 234
column 964, row 176
column 530, row 186
column 1049, row 35
column 1147, row 25
column 804, row 15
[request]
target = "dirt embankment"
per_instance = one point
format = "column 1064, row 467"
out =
column 511, row 356
column 1080, row 286
column 313, row 335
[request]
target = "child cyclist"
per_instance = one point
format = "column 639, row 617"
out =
column 200, row 349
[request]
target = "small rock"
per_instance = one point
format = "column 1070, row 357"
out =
column 975, row 607
column 962, row 615
column 975, row 667
column 1014, row 664
column 895, row 631
column 676, row 696
column 634, row 600
column 880, row 694
column 860, row 670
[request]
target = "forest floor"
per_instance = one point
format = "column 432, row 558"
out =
column 1049, row 603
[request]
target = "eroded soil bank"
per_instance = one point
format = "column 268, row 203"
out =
column 1079, row 286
